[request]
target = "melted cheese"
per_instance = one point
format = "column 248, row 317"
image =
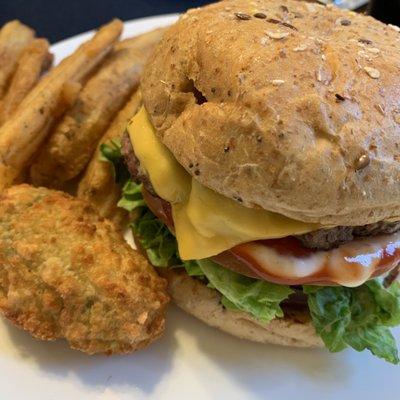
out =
column 169, row 179
column 206, row 223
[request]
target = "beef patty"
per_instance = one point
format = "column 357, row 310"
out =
column 322, row 239
column 325, row 239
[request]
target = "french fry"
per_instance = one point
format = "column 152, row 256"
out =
column 98, row 185
column 34, row 60
column 14, row 37
column 21, row 136
column 143, row 43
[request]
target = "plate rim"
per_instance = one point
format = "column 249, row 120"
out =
column 164, row 20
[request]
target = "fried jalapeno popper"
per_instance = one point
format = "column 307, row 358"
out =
column 21, row 136
column 98, row 182
column 73, row 142
column 66, row 272
column 74, row 139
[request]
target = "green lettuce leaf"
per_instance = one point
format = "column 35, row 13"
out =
column 259, row 298
column 111, row 153
column 357, row 317
column 387, row 300
column 193, row 268
column 132, row 198
column 229, row 304
column 156, row 239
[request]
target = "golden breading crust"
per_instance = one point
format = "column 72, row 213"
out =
column 285, row 105
column 67, row 273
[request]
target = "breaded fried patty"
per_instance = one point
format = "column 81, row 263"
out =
column 67, row 273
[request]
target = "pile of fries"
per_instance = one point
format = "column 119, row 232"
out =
column 53, row 119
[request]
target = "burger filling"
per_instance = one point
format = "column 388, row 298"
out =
column 258, row 260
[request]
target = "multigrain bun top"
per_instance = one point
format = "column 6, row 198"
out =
column 284, row 105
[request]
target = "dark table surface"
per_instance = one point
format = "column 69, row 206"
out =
column 58, row 19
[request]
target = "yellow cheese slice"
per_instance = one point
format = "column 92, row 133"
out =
column 168, row 177
column 206, row 223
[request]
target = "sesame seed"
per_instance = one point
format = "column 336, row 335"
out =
column 278, row 22
column 345, row 22
column 323, row 57
column 380, row 109
column 301, row 47
column 365, row 41
column 277, row 35
column 290, row 26
column 264, row 40
column 397, row 118
column 277, row 82
column 339, row 97
column 394, row 27
column 273, row 21
column 373, row 50
column 242, row 16
column 260, row 15
column 362, row 162
column 372, row 72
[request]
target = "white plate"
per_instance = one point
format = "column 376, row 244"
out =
column 191, row 361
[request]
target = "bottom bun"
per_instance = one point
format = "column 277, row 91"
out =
column 194, row 297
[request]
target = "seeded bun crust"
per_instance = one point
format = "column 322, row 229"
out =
column 295, row 110
column 204, row 303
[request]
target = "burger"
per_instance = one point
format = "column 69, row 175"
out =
column 264, row 172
